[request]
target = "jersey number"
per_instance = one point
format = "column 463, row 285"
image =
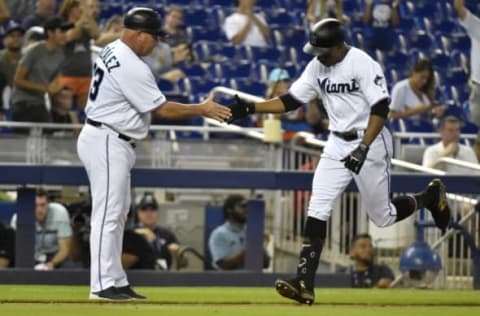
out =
column 97, row 80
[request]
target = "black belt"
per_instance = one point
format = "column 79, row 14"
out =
column 347, row 136
column 120, row 135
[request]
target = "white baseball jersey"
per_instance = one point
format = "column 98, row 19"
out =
column 123, row 91
column 348, row 89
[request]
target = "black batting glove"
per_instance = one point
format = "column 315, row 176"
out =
column 357, row 157
column 240, row 109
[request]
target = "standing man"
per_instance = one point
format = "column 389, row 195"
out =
column 245, row 27
column 353, row 88
column 471, row 23
column 122, row 94
column 37, row 72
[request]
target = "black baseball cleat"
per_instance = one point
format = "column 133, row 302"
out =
column 435, row 200
column 295, row 289
column 127, row 290
column 110, row 294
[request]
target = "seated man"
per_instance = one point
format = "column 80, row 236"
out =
column 7, row 237
column 53, row 232
column 227, row 242
column 449, row 146
column 364, row 272
column 150, row 246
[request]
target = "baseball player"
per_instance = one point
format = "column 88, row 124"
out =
column 353, row 89
column 122, row 95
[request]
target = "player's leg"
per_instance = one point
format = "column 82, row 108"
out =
column 120, row 161
column 330, row 180
column 95, row 151
column 374, row 186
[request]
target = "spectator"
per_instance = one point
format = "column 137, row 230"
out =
column 19, row 9
column 112, row 31
column 449, row 146
column 94, row 8
column 36, row 74
column 245, row 27
column 7, row 246
column 76, row 69
column 9, row 57
column 4, row 12
column 164, row 59
column 61, row 111
column 278, row 84
column 53, row 232
column 45, row 9
column 364, row 272
column 381, row 16
column 414, row 97
column 472, row 24
column 162, row 242
column 321, row 9
column 175, row 29
column 227, row 242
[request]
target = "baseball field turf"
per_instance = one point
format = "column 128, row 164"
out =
column 162, row 301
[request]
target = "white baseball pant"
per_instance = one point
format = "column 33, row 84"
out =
column 108, row 161
column 373, row 182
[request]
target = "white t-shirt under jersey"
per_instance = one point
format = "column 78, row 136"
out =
column 123, row 91
column 236, row 21
column 472, row 24
column 348, row 89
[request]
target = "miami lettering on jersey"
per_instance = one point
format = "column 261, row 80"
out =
column 338, row 87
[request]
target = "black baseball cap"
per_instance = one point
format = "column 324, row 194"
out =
column 148, row 201
column 12, row 26
column 234, row 199
column 56, row 22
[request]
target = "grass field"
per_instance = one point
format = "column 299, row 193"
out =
column 72, row 300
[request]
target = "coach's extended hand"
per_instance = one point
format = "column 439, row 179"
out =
column 357, row 157
column 240, row 109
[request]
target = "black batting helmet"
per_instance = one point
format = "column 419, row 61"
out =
column 144, row 19
column 325, row 34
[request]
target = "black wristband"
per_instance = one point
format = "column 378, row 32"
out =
column 289, row 102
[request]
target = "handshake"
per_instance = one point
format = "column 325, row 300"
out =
column 240, row 108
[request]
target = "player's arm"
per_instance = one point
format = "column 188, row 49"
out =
column 367, row 15
column 180, row 111
column 242, row 108
column 232, row 262
column 460, row 8
column 261, row 26
column 62, row 254
column 376, row 121
column 22, row 82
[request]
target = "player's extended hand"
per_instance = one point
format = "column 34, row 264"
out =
column 241, row 108
column 214, row 110
column 357, row 157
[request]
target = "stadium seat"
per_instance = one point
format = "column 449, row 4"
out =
column 460, row 41
column 198, row 17
column 199, row 33
column 419, row 125
column 422, row 41
column 278, row 17
column 166, row 86
column 252, row 87
column 194, row 70
column 440, row 60
column 233, row 70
